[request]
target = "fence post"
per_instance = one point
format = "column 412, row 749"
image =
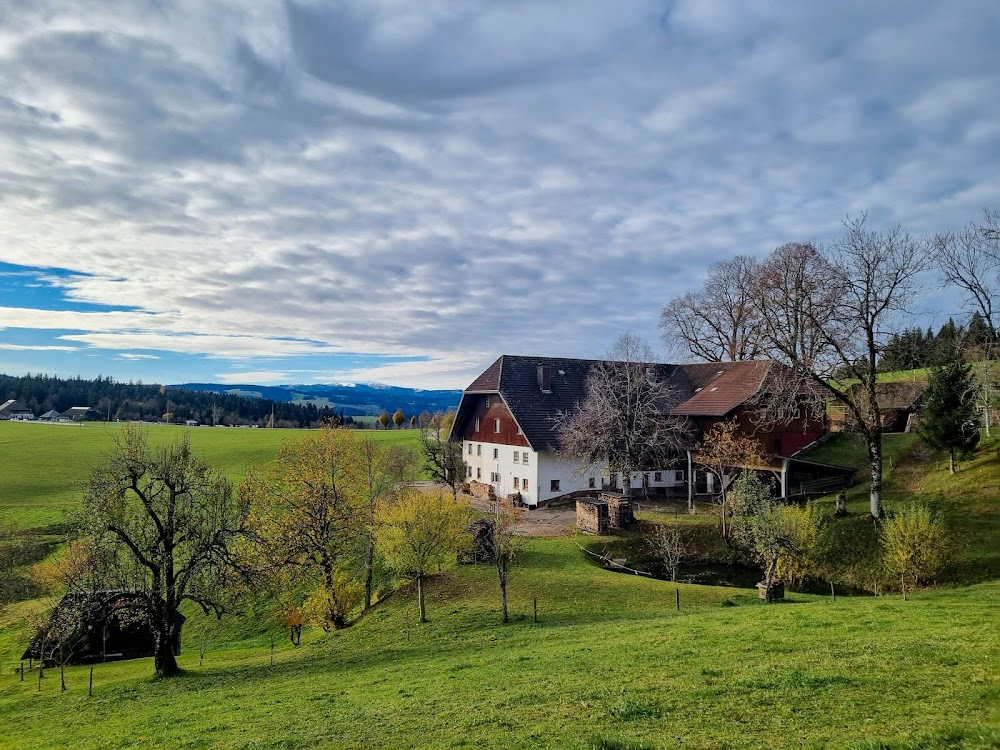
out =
column 62, row 676
column 22, row 670
column 677, row 596
column 90, row 688
column 534, row 606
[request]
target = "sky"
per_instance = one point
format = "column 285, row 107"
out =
column 366, row 190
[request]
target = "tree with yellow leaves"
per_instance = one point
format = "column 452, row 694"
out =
column 419, row 531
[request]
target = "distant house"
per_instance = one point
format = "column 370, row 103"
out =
column 191, row 422
column 899, row 403
column 50, row 416
column 80, row 414
column 13, row 410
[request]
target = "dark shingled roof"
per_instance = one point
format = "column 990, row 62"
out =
column 705, row 389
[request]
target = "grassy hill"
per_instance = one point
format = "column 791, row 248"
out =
column 45, row 464
column 610, row 664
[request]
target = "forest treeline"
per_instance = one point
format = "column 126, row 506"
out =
column 155, row 403
column 914, row 348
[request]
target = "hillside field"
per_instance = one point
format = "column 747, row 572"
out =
column 43, row 465
column 610, row 663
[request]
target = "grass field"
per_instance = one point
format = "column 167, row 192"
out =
column 43, row 465
column 610, row 664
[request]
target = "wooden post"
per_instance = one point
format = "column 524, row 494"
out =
column 90, row 688
column 30, row 665
column 833, row 594
column 677, row 597
column 534, row 607
column 22, row 670
column 62, row 676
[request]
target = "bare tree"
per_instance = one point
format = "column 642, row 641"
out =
column 668, row 545
column 795, row 296
column 506, row 545
column 624, row 423
column 851, row 305
column 169, row 526
column 720, row 322
column 443, row 457
column 970, row 260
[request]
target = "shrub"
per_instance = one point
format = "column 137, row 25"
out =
column 915, row 544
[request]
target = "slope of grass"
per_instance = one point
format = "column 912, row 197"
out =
column 43, row 466
column 609, row 664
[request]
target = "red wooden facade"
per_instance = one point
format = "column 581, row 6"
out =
column 475, row 406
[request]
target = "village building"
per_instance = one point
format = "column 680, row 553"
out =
column 80, row 414
column 11, row 409
column 507, row 421
column 50, row 416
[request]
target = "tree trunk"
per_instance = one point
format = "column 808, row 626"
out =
column 369, row 570
column 875, row 453
column 951, row 460
column 503, row 600
column 420, row 599
column 164, row 659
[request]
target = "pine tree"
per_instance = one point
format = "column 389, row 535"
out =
column 950, row 420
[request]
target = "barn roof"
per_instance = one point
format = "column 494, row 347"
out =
column 704, row 389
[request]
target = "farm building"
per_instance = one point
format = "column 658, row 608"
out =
column 96, row 626
column 899, row 404
column 507, row 417
column 80, row 414
column 13, row 410
column 50, row 416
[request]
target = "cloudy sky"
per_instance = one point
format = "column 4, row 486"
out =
column 401, row 191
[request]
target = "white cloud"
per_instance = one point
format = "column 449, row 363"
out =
column 37, row 348
column 458, row 180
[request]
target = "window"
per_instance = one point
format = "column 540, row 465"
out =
column 524, row 484
column 678, row 476
column 479, row 473
column 479, row 449
column 517, row 457
column 496, row 425
column 797, row 414
column 524, row 458
column 591, row 483
column 477, row 424
column 517, row 483
column 470, row 449
column 518, row 429
column 657, row 476
column 496, row 453
column 487, row 402
column 554, row 485
column 494, row 477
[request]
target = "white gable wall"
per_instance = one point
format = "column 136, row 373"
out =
column 489, row 459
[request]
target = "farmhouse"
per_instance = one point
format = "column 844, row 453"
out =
column 507, row 422
column 79, row 414
column 13, row 410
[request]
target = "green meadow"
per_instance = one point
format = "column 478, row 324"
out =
column 610, row 662
column 44, row 465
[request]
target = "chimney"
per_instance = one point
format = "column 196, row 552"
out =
column 545, row 378
column 651, row 375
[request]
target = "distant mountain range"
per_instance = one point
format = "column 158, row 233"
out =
column 360, row 399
